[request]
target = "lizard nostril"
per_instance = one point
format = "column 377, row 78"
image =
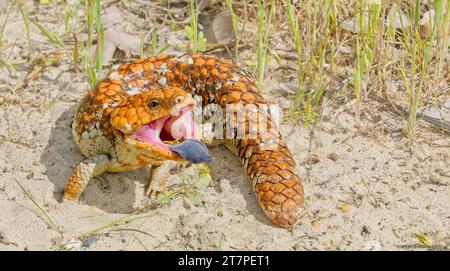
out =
column 178, row 99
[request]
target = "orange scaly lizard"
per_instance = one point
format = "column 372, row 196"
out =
column 125, row 122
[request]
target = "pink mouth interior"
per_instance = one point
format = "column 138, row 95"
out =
column 168, row 128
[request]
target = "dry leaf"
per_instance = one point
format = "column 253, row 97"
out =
column 221, row 29
column 111, row 16
column 344, row 50
column 206, row 4
column 397, row 18
column 425, row 24
column 350, row 26
column 423, row 239
column 288, row 88
column 117, row 39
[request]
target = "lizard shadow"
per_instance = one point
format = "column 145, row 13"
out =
column 110, row 192
column 226, row 166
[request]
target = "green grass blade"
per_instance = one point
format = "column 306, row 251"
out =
column 52, row 36
column 28, row 194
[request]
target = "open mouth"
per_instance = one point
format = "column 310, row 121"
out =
column 169, row 130
column 176, row 133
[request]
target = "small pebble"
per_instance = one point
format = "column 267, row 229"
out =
column 332, row 156
column 89, row 241
column 345, row 207
column 312, row 159
column 365, row 230
column 315, row 224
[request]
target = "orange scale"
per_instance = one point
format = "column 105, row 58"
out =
column 131, row 112
column 124, row 67
column 110, row 91
column 87, row 118
column 223, row 68
column 145, row 118
column 136, row 68
column 239, row 86
column 122, row 122
column 103, row 84
column 223, row 76
column 161, row 57
column 195, row 75
column 115, row 121
column 137, row 103
column 117, row 82
column 204, row 72
column 118, row 98
column 124, row 73
column 248, row 97
column 252, row 88
column 289, row 193
column 267, row 196
column 214, row 72
column 108, row 110
column 278, row 199
column 199, row 62
column 182, row 66
column 298, row 199
column 265, row 186
column 210, row 62
column 288, row 205
column 234, row 96
column 99, row 98
column 122, row 111
column 171, row 63
column 131, row 118
column 169, row 75
column 148, row 66
column 107, row 100
column 232, row 74
column 176, row 74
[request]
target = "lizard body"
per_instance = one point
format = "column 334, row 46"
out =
column 126, row 120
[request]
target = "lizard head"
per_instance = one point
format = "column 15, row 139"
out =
column 154, row 120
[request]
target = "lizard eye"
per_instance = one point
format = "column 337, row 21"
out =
column 154, row 104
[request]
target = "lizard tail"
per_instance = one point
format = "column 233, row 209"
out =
column 271, row 171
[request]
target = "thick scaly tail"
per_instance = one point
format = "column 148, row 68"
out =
column 269, row 166
column 271, row 171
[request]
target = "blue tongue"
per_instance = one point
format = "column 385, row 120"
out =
column 192, row 150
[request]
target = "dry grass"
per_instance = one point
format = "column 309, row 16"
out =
column 370, row 45
column 357, row 48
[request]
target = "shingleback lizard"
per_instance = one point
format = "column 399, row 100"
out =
column 126, row 121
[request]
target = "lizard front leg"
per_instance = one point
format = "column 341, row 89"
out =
column 83, row 174
column 158, row 176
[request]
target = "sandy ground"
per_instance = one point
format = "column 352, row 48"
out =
column 373, row 191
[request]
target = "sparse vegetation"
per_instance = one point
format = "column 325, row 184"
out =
column 235, row 23
column 265, row 18
column 39, row 208
column 191, row 187
column 198, row 41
